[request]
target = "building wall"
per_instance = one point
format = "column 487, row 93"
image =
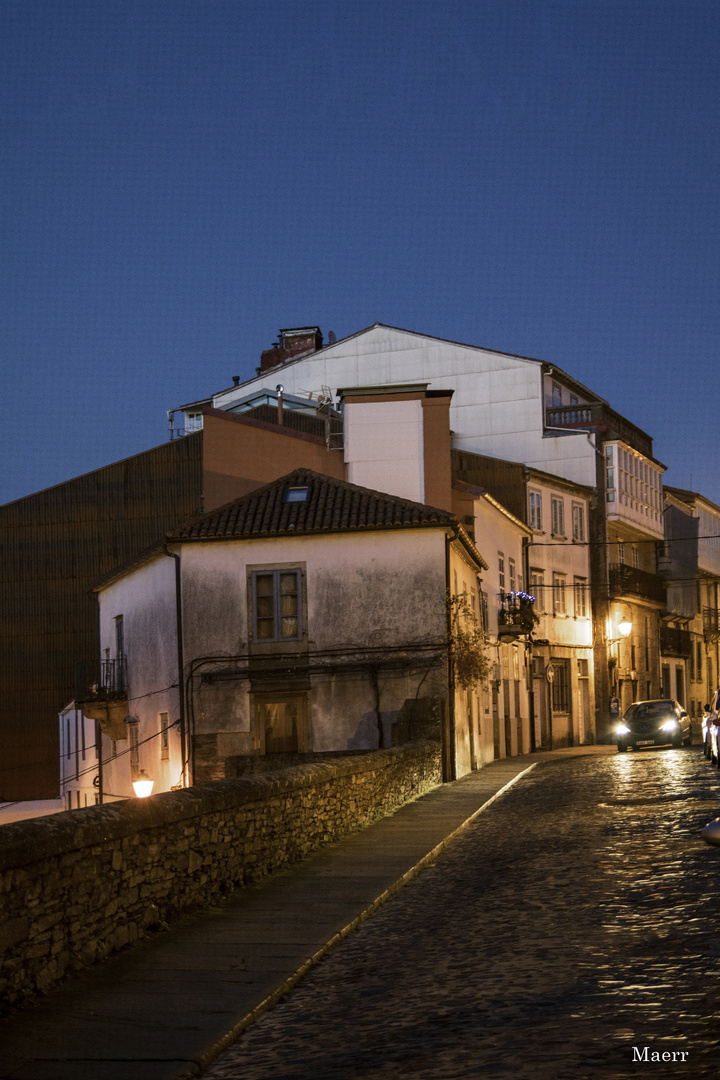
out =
column 146, row 602
column 365, row 595
column 504, row 703
column 386, row 438
column 374, row 624
column 241, row 454
column 56, row 544
column 78, row 759
column 497, row 406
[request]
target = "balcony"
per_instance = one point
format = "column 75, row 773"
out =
column 101, row 693
column 675, row 642
column 711, row 624
column 599, row 417
column 516, row 616
column 632, row 581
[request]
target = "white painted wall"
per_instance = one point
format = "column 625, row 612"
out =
column 384, row 447
column 146, row 600
column 497, row 407
column 78, row 759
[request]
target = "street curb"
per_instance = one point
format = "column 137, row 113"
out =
column 198, row 1065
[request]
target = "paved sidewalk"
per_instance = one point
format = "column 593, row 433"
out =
column 164, row 1009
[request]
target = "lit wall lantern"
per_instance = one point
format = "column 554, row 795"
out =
column 143, row 785
column 625, row 628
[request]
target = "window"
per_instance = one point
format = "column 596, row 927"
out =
column 277, row 614
column 297, row 494
column 558, row 517
column 281, row 723
column 535, row 510
column 559, row 605
column 556, row 394
column 501, row 571
column 193, row 422
column 537, row 588
column 164, row 737
column 119, row 681
column 134, row 749
column 580, row 591
column 699, row 661
column 513, row 575
column 484, row 619
column 578, row 522
column 561, row 686
column 621, row 553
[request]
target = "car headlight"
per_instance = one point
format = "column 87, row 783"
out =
column 669, row 725
column 622, row 729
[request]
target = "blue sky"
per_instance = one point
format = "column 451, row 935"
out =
column 180, row 180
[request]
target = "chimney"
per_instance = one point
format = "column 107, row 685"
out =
column 292, row 344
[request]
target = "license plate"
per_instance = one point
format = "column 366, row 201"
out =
column 646, row 742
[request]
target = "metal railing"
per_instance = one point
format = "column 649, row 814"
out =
column 632, row 581
column 675, row 642
column 103, row 679
column 598, row 415
column 711, row 623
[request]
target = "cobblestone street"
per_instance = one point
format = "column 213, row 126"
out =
column 577, row 918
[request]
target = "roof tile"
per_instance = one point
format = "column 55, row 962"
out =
column 332, row 506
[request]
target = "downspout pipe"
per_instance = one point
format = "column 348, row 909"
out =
column 449, row 764
column 181, row 664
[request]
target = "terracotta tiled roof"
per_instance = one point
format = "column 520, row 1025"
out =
column 331, row 506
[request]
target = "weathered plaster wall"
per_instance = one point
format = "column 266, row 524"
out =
column 76, row 886
column 383, row 590
column 146, row 600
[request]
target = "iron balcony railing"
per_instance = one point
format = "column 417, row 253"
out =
column 103, row 679
column 632, row 581
column 711, row 622
column 675, row 642
column 598, row 416
column 516, row 615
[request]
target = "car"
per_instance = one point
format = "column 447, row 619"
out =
column 658, row 722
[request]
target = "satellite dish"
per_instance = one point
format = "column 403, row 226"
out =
column 331, row 338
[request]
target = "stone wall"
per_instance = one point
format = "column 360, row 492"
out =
column 76, row 886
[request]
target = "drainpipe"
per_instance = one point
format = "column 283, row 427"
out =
column 449, row 768
column 280, row 391
column 181, row 664
column 526, row 541
column 98, row 745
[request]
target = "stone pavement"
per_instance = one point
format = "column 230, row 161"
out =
column 571, row 933
column 167, row 1007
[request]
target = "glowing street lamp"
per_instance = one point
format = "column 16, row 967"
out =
column 625, row 628
column 143, row 785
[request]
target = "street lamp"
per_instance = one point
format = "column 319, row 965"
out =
column 625, row 628
column 143, row 785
